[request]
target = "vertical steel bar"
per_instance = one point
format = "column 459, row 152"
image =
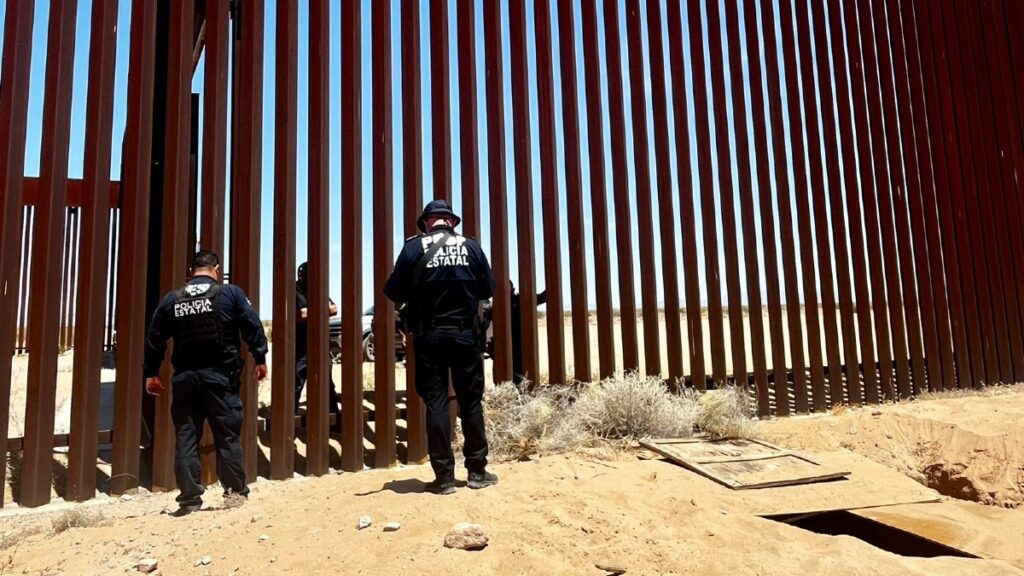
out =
column 642, row 181
column 940, row 375
column 468, row 145
column 574, row 195
column 961, row 73
column 746, row 194
column 524, row 189
column 831, row 201
column 318, row 196
column 282, row 434
column 215, row 125
column 764, row 191
column 969, row 354
column 884, row 184
column 85, row 395
column 707, row 193
column 816, row 184
column 548, row 154
column 856, row 253
column 620, row 188
column 174, row 228
column 351, row 239
column 726, row 194
column 135, row 202
column 995, row 153
column 926, row 325
column 666, row 213
column 17, row 60
column 599, row 205
column 246, row 187
column 441, row 100
column 383, row 231
column 43, row 345
column 897, row 203
column 412, row 163
column 810, row 304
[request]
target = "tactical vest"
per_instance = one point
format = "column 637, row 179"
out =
column 200, row 338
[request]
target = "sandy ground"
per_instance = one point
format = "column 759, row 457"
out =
column 966, row 446
column 557, row 514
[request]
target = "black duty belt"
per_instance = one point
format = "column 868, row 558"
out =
column 459, row 323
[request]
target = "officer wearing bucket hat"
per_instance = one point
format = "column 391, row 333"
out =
column 442, row 277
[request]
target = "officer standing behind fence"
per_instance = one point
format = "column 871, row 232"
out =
column 205, row 318
column 442, row 276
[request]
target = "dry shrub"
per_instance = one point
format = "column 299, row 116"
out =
column 632, row 407
column 726, row 412
column 76, row 517
column 519, row 423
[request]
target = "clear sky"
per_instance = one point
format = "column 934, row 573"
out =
column 80, row 104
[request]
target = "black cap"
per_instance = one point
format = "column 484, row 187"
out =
column 437, row 208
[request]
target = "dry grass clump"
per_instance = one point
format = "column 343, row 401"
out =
column 726, row 412
column 556, row 419
column 76, row 517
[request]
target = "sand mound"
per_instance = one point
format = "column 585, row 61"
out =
column 965, row 447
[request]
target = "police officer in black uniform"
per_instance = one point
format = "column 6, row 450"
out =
column 442, row 277
column 302, row 342
column 205, row 319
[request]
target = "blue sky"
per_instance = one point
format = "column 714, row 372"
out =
column 79, row 107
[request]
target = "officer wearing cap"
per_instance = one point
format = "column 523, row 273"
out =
column 442, row 277
column 207, row 321
column 302, row 342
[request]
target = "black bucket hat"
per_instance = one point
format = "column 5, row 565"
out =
column 437, row 208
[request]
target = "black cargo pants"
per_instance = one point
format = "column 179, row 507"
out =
column 207, row 396
column 437, row 352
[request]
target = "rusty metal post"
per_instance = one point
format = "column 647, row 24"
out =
column 441, row 153
column 620, row 188
column 666, row 220
column 943, row 371
column 687, row 197
column 135, row 203
column 351, row 240
column 707, row 193
column 384, row 442
column 412, row 168
column 318, row 194
column 835, row 208
column 17, row 60
column 726, row 199
column 548, row 154
column 85, row 395
column 215, row 125
column 746, row 194
column 816, row 193
column 599, row 207
column 246, row 188
column 967, row 202
column 578, row 277
column 857, row 252
column 43, row 345
column 642, row 180
column 468, row 145
column 524, row 190
column 282, row 404
column 927, row 284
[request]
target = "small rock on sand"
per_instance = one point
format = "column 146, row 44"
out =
column 611, row 569
column 147, row 566
column 264, row 538
column 466, row 536
column 204, row 561
column 364, row 522
column 392, row 527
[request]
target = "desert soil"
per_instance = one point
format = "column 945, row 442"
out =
column 556, row 514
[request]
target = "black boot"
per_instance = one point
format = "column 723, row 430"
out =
column 482, row 479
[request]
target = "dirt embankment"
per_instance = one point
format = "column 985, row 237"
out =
column 969, row 447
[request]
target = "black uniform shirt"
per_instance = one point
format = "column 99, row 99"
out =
column 453, row 283
column 302, row 326
column 235, row 312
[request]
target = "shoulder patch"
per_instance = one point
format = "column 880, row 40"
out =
column 413, row 237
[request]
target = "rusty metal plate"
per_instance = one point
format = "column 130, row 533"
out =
column 744, row 464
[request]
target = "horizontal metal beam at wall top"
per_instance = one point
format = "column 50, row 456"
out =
column 31, row 192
